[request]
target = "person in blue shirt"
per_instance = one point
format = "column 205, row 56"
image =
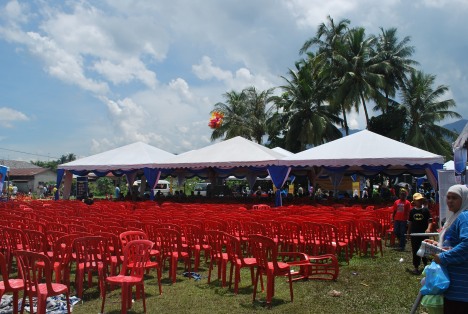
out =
column 455, row 259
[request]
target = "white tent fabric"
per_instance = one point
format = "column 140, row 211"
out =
column 450, row 165
column 130, row 157
column 462, row 139
column 363, row 148
column 235, row 152
column 282, row 151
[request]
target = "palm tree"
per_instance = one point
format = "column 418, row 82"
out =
column 396, row 54
column 327, row 37
column 245, row 114
column 63, row 159
column 329, row 40
column 71, row 157
column 234, row 122
column 258, row 111
column 423, row 109
column 358, row 71
column 310, row 121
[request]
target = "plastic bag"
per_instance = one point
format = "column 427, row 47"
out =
column 434, row 304
column 437, row 280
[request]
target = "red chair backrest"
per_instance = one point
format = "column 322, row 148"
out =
column 4, row 272
column 131, row 235
column 264, row 250
column 91, row 251
column 37, row 241
column 136, row 254
column 30, row 271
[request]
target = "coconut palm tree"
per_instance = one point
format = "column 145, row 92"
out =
column 358, row 70
column 258, row 111
column 234, row 122
column 423, row 109
column 329, row 40
column 245, row 114
column 310, row 120
column 397, row 56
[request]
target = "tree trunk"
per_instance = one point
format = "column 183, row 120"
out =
column 365, row 110
column 345, row 120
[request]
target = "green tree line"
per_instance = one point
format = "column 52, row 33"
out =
column 52, row 164
column 343, row 70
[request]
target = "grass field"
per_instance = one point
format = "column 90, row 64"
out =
column 366, row 285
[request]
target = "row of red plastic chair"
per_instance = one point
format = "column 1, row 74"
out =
column 118, row 222
column 35, row 270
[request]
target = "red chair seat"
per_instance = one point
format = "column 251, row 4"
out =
column 16, row 284
column 119, row 279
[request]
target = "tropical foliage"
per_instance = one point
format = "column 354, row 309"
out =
column 54, row 163
column 309, row 120
column 344, row 70
column 423, row 109
column 245, row 114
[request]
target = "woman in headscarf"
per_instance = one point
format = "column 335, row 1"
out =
column 455, row 259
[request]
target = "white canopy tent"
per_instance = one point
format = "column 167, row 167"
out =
column 236, row 156
column 228, row 154
column 126, row 160
column 366, row 153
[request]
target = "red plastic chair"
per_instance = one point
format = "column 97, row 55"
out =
column 370, row 236
column 332, row 244
column 115, row 248
column 194, row 238
column 312, row 238
column 92, row 255
column 14, row 239
column 33, row 285
column 74, row 228
column 213, row 224
column 127, row 236
column 37, row 241
column 136, row 256
column 290, row 236
column 238, row 261
column 61, row 258
column 170, row 245
column 10, row 285
column 56, row 226
column 265, row 251
column 219, row 253
column 52, row 237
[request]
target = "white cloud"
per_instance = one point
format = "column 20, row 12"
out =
column 8, row 116
column 181, row 87
column 205, row 70
column 241, row 79
column 126, row 71
column 63, row 65
column 15, row 12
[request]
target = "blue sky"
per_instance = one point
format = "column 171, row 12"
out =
column 84, row 76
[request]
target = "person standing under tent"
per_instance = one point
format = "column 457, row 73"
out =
column 419, row 222
column 300, row 191
column 401, row 209
column 365, row 194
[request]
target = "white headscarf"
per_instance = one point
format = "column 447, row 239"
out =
column 462, row 191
